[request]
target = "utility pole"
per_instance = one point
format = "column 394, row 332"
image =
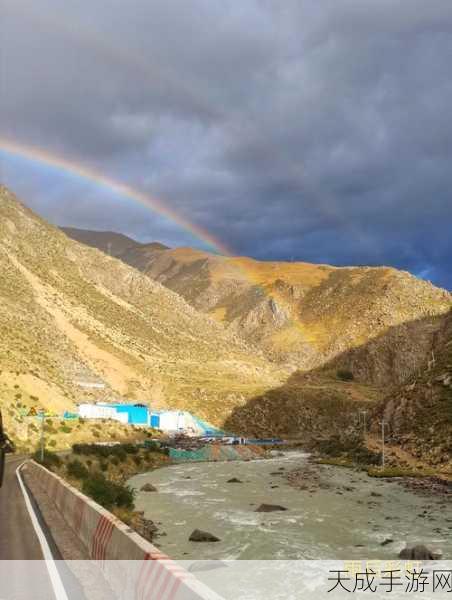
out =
column 42, row 414
column 383, row 443
column 364, row 415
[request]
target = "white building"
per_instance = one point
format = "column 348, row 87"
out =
column 96, row 411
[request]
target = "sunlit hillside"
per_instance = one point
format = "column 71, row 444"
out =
column 71, row 313
column 304, row 315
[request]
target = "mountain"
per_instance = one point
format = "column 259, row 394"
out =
column 71, row 314
column 114, row 244
column 259, row 347
column 304, row 315
column 419, row 413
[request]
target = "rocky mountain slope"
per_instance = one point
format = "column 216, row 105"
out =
column 379, row 323
column 419, row 413
column 71, row 314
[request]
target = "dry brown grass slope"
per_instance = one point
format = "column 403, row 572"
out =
column 305, row 315
column 68, row 311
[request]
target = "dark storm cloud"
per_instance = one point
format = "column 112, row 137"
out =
column 300, row 129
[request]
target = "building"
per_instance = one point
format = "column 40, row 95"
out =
column 133, row 414
column 167, row 421
column 100, row 411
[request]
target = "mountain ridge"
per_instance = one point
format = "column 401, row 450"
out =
column 68, row 311
column 301, row 314
column 71, row 312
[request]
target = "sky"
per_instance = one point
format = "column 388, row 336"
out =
column 289, row 130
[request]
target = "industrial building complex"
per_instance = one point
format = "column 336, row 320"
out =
column 168, row 421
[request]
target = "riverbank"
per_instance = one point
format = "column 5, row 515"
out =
column 101, row 472
column 331, row 512
column 420, row 482
column 105, row 473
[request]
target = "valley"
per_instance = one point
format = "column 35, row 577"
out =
column 288, row 349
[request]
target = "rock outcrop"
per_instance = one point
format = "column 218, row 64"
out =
column 203, row 536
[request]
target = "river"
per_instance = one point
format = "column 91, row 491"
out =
column 345, row 515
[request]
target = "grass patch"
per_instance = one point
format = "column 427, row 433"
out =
column 398, row 472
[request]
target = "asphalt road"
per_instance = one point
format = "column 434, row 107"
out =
column 18, row 543
column 18, row 539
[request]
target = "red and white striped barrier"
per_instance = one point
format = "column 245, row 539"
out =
column 132, row 566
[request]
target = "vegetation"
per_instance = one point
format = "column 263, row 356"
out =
column 398, row 472
column 119, row 450
column 345, row 375
column 348, row 448
column 50, row 460
column 101, row 473
column 107, row 493
column 77, row 470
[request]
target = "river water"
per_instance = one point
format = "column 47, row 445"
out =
column 346, row 515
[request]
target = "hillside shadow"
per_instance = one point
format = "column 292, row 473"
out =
column 318, row 403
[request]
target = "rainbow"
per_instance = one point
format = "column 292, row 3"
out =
column 124, row 190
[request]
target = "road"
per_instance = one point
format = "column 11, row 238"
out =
column 18, row 539
column 19, row 542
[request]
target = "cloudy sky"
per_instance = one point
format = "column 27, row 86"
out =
column 289, row 129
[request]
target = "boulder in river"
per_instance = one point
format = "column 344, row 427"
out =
column 148, row 487
column 418, row 552
column 203, row 536
column 270, row 508
column 234, row 480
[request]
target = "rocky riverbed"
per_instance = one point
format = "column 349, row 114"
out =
column 330, row 512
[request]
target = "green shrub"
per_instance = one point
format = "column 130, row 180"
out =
column 77, row 469
column 121, row 455
column 107, row 493
column 350, row 447
column 152, row 446
column 345, row 375
column 50, row 460
column 118, row 450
